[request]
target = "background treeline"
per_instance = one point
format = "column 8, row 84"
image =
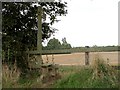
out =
column 100, row 48
column 55, row 44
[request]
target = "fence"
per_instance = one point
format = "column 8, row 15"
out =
column 39, row 50
column 87, row 50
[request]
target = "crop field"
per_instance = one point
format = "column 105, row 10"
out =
column 79, row 58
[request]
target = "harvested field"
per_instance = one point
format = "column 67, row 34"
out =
column 79, row 58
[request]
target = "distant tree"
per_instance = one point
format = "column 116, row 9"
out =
column 64, row 40
column 95, row 46
column 53, row 44
column 65, row 45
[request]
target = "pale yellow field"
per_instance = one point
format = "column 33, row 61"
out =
column 79, row 58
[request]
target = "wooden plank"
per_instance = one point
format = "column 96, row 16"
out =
column 71, row 51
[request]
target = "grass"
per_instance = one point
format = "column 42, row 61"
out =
column 83, row 79
column 99, row 75
column 74, row 80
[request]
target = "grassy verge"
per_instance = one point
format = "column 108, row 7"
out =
column 83, row 79
column 74, row 80
column 99, row 75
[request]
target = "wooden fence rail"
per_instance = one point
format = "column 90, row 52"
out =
column 74, row 50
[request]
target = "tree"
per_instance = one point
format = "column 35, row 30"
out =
column 53, row 44
column 20, row 21
column 65, row 45
column 19, row 26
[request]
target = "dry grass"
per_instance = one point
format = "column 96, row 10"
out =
column 10, row 76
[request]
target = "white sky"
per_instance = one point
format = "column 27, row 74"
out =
column 89, row 22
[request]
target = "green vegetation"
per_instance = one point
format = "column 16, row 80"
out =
column 98, row 75
column 19, row 27
column 54, row 44
column 19, row 34
column 13, row 78
column 74, row 80
column 65, row 44
column 99, row 48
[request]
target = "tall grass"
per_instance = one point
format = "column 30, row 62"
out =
column 104, row 76
column 10, row 76
column 99, row 75
column 74, row 80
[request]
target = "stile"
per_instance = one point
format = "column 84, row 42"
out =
column 38, row 60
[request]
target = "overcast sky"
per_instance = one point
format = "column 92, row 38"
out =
column 89, row 22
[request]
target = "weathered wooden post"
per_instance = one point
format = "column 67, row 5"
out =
column 39, row 38
column 87, row 56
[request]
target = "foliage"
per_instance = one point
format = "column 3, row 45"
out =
column 71, row 77
column 100, row 75
column 65, row 45
column 74, row 80
column 101, row 48
column 53, row 44
column 19, row 27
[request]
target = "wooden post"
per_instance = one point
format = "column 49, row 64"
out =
column 47, row 59
column 52, row 58
column 39, row 33
column 39, row 38
column 87, row 56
